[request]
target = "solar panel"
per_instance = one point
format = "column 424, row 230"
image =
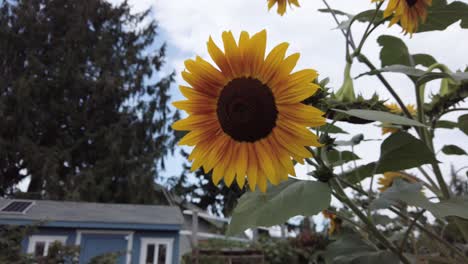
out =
column 17, row 207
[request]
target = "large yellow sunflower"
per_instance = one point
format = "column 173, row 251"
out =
column 408, row 12
column 395, row 109
column 246, row 117
column 282, row 5
column 386, row 181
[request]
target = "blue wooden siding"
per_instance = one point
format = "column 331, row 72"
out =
column 112, row 242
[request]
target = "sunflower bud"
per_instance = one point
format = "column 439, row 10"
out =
column 346, row 92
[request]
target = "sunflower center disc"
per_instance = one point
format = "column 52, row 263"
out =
column 411, row 2
column 246, row 109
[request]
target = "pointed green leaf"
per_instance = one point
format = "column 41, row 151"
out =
column 411, row 194
column 338, row 158
column 425, row 60
column 351, row 248
column 383, row 117
column 445, row 124
column 440, row 15
column 403, row 151
column 394, row 51
column 331, row 129
column 279, row 203
column 463, row 123
column 359, row 174
column 453, row 150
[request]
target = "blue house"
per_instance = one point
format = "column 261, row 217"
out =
column 144, row 233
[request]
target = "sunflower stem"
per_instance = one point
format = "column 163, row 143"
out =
column 362, row 58
column 418, row 225
column 341, row 195
column 424, row 135
column 367, row 32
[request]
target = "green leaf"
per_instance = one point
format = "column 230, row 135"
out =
column 383, row 220
column 402, row 151
column 331, row 129
column 440, row 15
column 383, row 117
column 359, row 174
column 425, row 60
column 446, row 124
column 394, row 51
column 351, row 248
column 453, row 150
column 338, row 158
column 335, row 11
column 418, row 75
column 279, row 203
column 368, row 15
column 411, row 194
column 463, row 123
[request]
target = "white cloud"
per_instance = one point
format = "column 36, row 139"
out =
column 187, row 24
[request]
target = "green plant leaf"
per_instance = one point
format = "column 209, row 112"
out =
column 383, row 117
column 368, row 15
column 331, row 129
column 440, row 15
column 446, row 124
column 411, row 194
column 335, row 11
column 425, row 60
column 383, row 220
column 402, row 151
column 359, row 174
column 279, row 203
column 419, row 76
column 351, row 248
column 463, row 123
column 453, row 150
column 393, row 51
column 338, row 158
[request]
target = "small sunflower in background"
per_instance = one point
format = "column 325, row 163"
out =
column 386, row 181
column 246, row 117
column 282, row 5
column 335, row 222
column 395, row 109
column 410, row 13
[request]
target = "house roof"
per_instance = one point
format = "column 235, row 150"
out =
column 85, row 213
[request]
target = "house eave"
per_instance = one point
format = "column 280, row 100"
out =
column 92, row 225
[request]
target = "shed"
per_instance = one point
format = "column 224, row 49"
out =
column 144, row 233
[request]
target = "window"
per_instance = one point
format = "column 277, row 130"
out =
column 39, row 245
column 156, row 251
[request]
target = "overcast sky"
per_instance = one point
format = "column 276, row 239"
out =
column 185, row 26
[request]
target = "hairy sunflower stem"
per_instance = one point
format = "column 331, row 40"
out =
column 424, row 135
column 408, row 231
column 349, row 37
column 418, row 225
column 342, row 197
column 367, row 32
column 433, row 235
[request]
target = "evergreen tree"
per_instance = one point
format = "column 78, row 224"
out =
column 200, row 190
column 83, row 108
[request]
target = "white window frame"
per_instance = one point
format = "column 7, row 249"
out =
column 48, row 240
column 169, row 242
